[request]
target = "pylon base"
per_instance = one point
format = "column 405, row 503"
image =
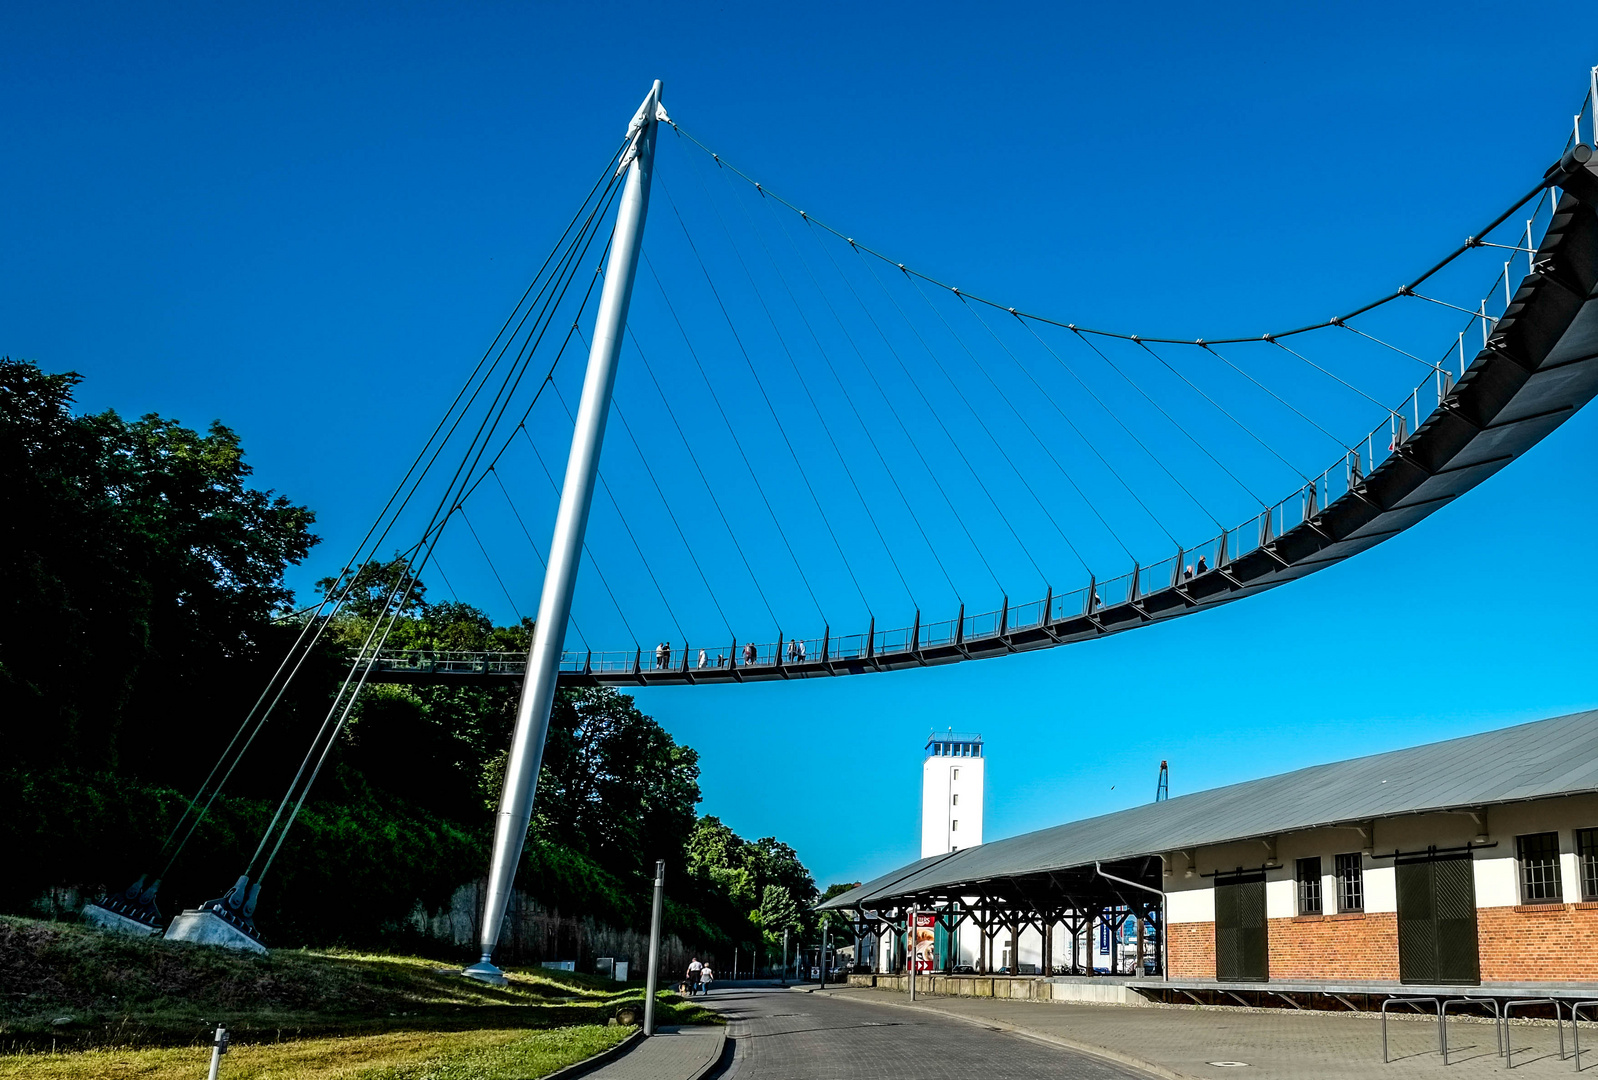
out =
column 204, row 927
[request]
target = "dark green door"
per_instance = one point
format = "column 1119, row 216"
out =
column 1242, row 951
column 1437, row 921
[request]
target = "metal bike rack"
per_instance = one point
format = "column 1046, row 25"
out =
column 1558, row 1025
column 1411, row 1001
column 1575, row 1028
column 1498, row 1023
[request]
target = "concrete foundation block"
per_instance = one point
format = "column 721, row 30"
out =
column 209, row 928
column 95, row 915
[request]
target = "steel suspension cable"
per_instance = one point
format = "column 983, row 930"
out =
column 944, row 428
column 540, row 555
column 1223, row 411
column 587, row 551
column 960, row 340
column 1079, row 433
column 1287, row 404
column 761, row 386
column 864, row 249
column 655, row 481
column 721, row 409
column 903, row 427
column 431, row 535
column 805, row 384
column 515, row 610
column 614, row 502
column 1202, row 448
column 694, row 457
column 337, row 599
column 1112, row 414
column 854, row 408
column 1333, row 376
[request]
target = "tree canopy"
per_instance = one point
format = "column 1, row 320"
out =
column 143, row 592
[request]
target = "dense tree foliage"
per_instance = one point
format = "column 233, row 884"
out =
column 142, row 584
column 141, row 574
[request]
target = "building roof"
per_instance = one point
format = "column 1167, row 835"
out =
column 1538, row 760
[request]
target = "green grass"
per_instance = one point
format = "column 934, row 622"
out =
column 121, row 992
column 476, row 1055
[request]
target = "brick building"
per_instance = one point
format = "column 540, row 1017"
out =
column 1469, row 862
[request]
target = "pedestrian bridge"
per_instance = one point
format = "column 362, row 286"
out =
column 1537, row 367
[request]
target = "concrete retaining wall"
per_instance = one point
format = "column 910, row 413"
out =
column 1020, row 988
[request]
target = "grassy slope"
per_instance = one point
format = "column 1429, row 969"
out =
column 410, row 1055
column 126, row 993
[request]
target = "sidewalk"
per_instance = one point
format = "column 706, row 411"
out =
column 1183, row 1042
column 673, row 1053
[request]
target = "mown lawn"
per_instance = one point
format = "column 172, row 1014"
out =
column 410, row 1055
column 76, row 1003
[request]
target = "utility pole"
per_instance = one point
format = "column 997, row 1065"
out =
column 654, row 947
column 911, row 938
column 823, row 956
column 785, row 956
column 571, row 522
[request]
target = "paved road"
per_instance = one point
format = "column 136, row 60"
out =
column 782, row 1035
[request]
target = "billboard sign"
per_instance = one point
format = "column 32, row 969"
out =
column 923, row 947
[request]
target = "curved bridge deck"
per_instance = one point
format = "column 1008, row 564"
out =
column 1538, row 367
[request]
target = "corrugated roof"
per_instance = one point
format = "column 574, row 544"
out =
column 1558, row 756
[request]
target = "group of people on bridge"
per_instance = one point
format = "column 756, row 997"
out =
column 751, row 656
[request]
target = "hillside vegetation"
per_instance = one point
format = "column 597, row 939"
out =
column 65, row 987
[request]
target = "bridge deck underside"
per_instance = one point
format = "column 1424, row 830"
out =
column 1539, row 367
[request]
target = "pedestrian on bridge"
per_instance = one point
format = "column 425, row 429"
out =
column 701, row 659
column 749, row 654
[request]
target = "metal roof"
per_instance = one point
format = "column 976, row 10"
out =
column 1551, row 757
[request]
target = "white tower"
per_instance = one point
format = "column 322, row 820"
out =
column 951, row 793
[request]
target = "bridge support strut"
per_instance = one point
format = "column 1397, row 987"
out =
column 571, row 521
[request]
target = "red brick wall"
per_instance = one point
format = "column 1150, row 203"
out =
column 1518, row 944
column 1190, row 948
column 1352, row 946
column 1538, row 941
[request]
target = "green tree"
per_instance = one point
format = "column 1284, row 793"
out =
column 142, row 573
column 778, row 912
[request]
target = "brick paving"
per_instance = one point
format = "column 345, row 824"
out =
column 1181, row 1042
column 673, row 1053
column 782, row 1035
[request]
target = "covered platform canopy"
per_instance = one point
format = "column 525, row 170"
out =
column 1114, row 863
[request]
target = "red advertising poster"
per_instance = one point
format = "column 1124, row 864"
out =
column 924, row 950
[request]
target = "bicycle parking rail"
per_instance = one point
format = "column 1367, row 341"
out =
column 1508, row 1047
column 1413, row 1002
column 1498, row 1022
column 1575, row 1028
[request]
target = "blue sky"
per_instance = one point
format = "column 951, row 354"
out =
column 307, row 221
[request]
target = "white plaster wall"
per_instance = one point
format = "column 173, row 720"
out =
column 952, row 790
column 1190, row 905
column 1496, row 884
column 1381, row 887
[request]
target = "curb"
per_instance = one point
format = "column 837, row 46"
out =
column 604, row 1057
column 1092, row 1049
column 715, row 1058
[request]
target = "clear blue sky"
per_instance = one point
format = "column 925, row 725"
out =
column 308, row 220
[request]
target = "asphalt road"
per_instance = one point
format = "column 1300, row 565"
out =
column 778, row 1034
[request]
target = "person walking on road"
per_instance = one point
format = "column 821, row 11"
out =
column 692, row 982
column 705, row 977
